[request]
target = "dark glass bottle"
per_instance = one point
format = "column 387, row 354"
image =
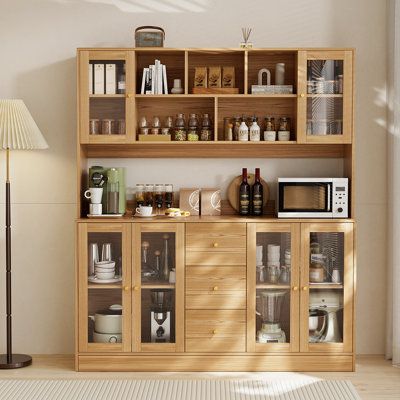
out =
column 244, row 195
column 257, row 197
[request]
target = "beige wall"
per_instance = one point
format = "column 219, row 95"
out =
column 38, row 41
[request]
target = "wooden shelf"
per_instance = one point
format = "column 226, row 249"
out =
column 326, row 286
column 239, row 96
column 158, row 285
column 107, row 96
column 312, row 95
column 271, row 286
column 218, row 149
column 104, row 286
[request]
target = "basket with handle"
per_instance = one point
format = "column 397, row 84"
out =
column 149, row 36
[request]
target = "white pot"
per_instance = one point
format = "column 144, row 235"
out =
column 108, row 321
column 107, row 337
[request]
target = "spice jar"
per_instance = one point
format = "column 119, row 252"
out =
column 193, row 131
column 156, row 126
column 206, row 131
column 121, row 127
column 148, row 195
column 139, row 196
column 317, row 272
column 228, row 133
column 236, row 126
column 180, row 130
column 269, row 133
column 107, row 126
column 94, row 127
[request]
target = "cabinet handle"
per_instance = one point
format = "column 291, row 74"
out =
column 305, row 288
column 214, row 331
column 136, row 288
column 129, row 95
column 126, row 288
column 302, row 95
column 215, row 288
column 295, row 288
column 215, row 244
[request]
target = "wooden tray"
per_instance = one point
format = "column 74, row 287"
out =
column 233, row 190
column 201, row 90
column 154, row 138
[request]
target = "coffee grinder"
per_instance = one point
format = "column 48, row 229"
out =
column 270, row 303
column 160, row 316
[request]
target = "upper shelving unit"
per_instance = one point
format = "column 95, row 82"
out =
column 306, row 93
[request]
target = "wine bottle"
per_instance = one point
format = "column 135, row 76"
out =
column 257, row 197
column 244, row 195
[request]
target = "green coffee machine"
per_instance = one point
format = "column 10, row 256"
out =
column 112, row 180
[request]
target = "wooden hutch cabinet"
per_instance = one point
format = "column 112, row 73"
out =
column 217, row 295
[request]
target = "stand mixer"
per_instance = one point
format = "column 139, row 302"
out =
column 160, row 316
column 270, row 303
column 323, row 320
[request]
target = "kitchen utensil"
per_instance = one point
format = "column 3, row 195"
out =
column 107, row 337
column 233, row 190
column 106, row 263
column 94, row 279
column 148, row 272
column 259, row 254
column 160, row 316
column 105, row 270
column 94, row 195
column 316, row 325
column 105, row 275
column 93, row 257
column 336, row 276
column 273, row 272
column 106, row 254
column 260, row 274
column 108, row 320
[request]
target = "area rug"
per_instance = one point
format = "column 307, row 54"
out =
column 170, row 389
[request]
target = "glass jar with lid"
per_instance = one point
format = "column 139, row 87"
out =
column 139, row 195
column 148, row 196
column 193, row 131
column 206, row 131
column 156, row 126
column 228, row 129
column 169, row 196
column 180, row 128
column 236, row 126
column 158, row 197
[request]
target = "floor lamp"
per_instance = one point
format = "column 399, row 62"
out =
column 18, row 131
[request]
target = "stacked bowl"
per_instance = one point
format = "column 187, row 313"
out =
column 104, row 270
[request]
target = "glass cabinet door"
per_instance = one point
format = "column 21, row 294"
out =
column 327, row 287
column 107, row 101
column 325, row 102
column 104, row 287
column 273, row 296
column 158, row 309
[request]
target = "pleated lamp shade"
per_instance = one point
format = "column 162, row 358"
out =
column 18, row 130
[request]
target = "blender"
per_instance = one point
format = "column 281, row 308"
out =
column 160, row 316
column 270, row 302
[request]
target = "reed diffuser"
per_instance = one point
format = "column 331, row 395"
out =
column 246, row 35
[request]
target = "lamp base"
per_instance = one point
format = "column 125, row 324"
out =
column 17, row 361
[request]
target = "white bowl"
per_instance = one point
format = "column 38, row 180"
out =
column 103, row 270
column 105, row 275
column 105, row 264
column 107, row 337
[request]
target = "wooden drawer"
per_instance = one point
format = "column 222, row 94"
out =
column 215, row 331
column 215, row 299
column 216, row 277
column 230, row 257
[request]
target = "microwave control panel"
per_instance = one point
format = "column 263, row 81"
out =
column 340, row 198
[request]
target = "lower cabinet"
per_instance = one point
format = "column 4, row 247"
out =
column 215, row 296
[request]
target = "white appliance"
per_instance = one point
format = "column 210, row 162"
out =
column 329, row 301
column 160, row 326
column 313, row 198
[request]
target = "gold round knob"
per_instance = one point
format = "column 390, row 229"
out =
column 126, row 288
column 295, row 288
column 129, row 95
column 215, row 288
column 305, row 288
column 302, row 95
column 136, row 288
column 214, row 331
column 215, row 244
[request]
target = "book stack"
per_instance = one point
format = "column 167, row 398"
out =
column 154, row 79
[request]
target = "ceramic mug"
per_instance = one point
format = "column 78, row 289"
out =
column 95, row 209
column 94, row 195
column 144, row 211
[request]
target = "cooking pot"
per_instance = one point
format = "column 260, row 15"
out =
column 109, row 320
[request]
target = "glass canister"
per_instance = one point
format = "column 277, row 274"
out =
column 169, row 196
column 121, row 127
column 107, row 126
column 158, row 197
column 236, row 126
column 139, row 195
column 228, row 126
column 148, row 195
column 180, row 128
column 156, row 126
column 193, row 131
column 168, row 125
column 206, row 131
column 94, row 127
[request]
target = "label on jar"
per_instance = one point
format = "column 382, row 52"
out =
column 316, row 275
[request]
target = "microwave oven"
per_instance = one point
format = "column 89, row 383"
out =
column 313, row 198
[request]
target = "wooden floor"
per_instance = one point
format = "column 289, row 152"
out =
column 375, row 378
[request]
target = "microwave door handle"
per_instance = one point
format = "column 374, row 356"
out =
column 329, row 197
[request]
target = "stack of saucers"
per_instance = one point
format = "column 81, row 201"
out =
column 104, row 270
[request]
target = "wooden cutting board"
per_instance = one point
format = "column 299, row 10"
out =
column 233, row 190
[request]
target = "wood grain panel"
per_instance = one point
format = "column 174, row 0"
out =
column 215, row 300
column 218, row 278
column 216, row 230
column 227, row 257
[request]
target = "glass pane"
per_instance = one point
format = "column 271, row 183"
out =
column 104, row 297
column 303, row 196
column 273, row 282
column 107, row 97
column 326, row 287
column 158, row 287
column 324, row 97
column 105, row 315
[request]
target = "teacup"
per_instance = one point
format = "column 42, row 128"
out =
column 144, row 211
column 94, row 195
